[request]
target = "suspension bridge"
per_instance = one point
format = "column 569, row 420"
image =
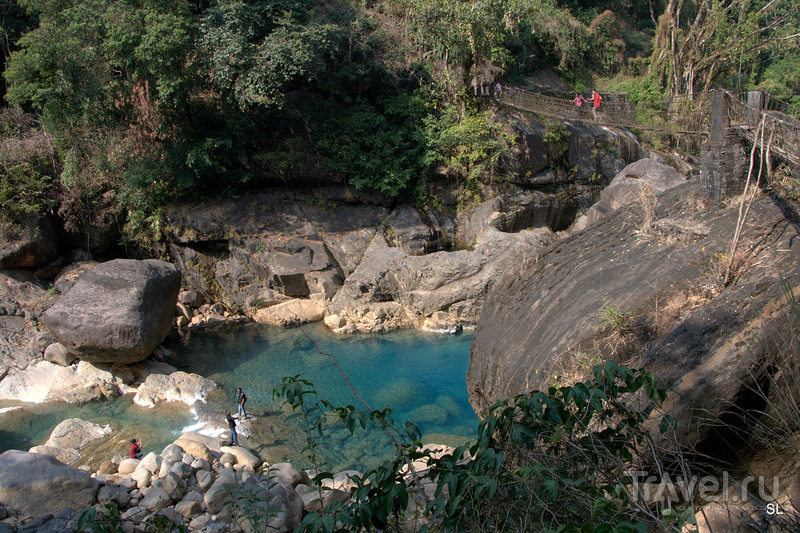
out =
column 778, row 133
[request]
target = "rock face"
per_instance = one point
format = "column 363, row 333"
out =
column 118, row 311
column 39, row 484
column 392, row 289
column 33, row 246
column 281, row 255
column 542, row 317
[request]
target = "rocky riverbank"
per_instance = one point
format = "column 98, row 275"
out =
column 196, row 482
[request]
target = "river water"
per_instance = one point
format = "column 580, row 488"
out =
column 421, row 376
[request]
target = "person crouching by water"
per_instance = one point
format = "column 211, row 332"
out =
column 242, row 399
column 136, row 449
column 232, row 425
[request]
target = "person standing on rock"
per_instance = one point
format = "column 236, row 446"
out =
column 242, row 399
column 136, row 449
column 232, row 425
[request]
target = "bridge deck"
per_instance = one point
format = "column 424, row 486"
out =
column 690, row 115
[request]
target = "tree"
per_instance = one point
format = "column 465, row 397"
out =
column 719, row 39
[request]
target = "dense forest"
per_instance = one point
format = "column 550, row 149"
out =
column 131, row 103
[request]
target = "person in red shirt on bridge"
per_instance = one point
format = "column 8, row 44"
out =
column 596, row 99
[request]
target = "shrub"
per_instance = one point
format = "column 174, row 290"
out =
column 547, row 460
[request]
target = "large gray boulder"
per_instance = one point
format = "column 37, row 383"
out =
column 39, row 484
column 118, row 311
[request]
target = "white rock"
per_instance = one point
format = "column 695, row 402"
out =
column 243, row 456
column 152, row 461
column 142, row 477
column 175, row 387
column 127, row 466
column 75, row 433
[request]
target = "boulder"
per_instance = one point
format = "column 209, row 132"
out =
column 128, row 466
column 152, row 462
column 174, row 387
column 75, row 433
column 113, row 494
column 188, row 508
column 170, row 514
column 48, row 382
column 136, row 512
column 391, row 289
column 174, row 486
column 313, row 503
column 205, row 479
column 155, row 498
column 58, row 354
column 285, row 507
column 70, row 274
column 166, row 466
column 182, row 469
column 39, row 484
column 243, row 456
column 142, row 477
column 118, row 311
column 292, row 312
column 631, row 183
column 63, row 455
column 286, row 473
column 209, row 443
column 220, row 491
column 107, row 467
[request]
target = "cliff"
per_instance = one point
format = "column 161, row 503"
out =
column 644, row 287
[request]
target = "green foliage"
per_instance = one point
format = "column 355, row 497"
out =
column 378, row 147
column 473, row 145
column 108, row 520
column 782, row 80
column 556, row 137
column 24, row 189
column 557, row 457
column 614, row 319
column 255, row 50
